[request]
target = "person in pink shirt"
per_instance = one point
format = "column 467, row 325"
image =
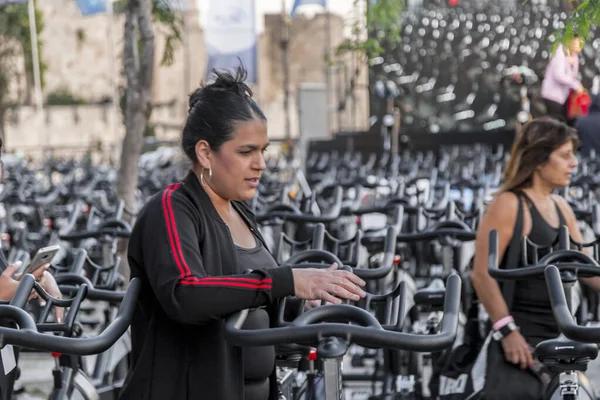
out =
column 561, row 78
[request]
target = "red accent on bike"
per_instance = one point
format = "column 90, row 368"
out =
column 397, row 259
column 312, row 355
column 56, row 355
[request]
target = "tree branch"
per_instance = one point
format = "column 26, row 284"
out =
column 146, row 71
column 130, row 51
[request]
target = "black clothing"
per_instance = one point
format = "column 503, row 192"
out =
column 7, row 381
column 531, row 304
column 556, row 110
column 185, row 256
column 258, row 361
column 3, row 262
column 588, row 128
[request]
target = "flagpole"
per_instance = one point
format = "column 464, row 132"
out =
column 327, row 64
column 35, row 56
column 187, row 11
column 39, row 101
column 286, row 70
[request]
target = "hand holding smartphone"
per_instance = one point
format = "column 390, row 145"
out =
column 41, row 258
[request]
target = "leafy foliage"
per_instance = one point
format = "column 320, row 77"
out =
column 14, row 39
column 166, row 17
column 63, row 97
column 168, row 21
column 580, row 22
column 383, row 19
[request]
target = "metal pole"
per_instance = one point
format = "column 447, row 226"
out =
column 286, row 68
column 186, row 46
column 342, row 94
column 37, row 81
column 35, row 56
column 328, row 64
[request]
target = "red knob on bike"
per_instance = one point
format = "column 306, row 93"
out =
column 312, row 355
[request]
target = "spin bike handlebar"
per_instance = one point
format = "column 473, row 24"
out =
column 114, row 228
column 453, row 228
column 313, row 326
column 560, row 309
column 315, row 259
column 584, row 265
column 68, row 285
column 27, row 335
column 293, row 214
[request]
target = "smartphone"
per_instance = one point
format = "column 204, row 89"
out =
column 43, row 256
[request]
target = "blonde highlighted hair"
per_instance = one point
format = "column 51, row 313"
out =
column 532, row 147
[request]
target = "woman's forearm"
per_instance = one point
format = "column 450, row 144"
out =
column 489, row 294
column 593, row 283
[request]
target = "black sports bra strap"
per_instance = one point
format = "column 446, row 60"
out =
column 530, row 203
column 561, row 218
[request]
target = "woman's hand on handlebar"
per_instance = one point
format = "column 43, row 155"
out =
column 516, row 350
column 327, row 284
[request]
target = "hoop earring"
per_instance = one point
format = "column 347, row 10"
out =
column 202, row 178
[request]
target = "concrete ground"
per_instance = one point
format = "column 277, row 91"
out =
column 36, row 378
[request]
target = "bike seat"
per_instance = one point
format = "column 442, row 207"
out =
column 432, row 295
column 565, row 354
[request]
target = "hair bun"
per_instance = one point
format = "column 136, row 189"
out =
column 225, row 80
column 195, row 98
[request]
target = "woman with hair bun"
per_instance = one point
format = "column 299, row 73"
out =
column 191, row 246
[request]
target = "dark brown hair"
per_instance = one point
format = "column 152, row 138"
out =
column 216, row 108
column 537, row 140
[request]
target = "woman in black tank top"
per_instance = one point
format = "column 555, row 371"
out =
column 542, row 159
column 530, row 304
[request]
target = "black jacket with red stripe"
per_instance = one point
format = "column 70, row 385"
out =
column 184, row 254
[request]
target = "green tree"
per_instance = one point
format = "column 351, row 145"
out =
column 585, row 15
column 383, row 21
column 172, row 24
column 169, row 22
column 16, row 58
column 138, row 66
column 141, row 19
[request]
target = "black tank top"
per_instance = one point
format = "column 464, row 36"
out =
column 259, row 362
column 531, row 305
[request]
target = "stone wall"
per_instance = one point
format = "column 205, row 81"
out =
column 79, row 57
